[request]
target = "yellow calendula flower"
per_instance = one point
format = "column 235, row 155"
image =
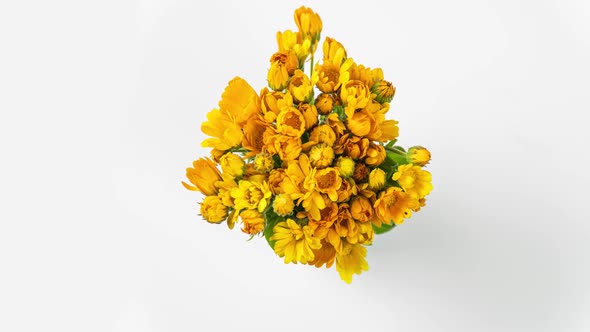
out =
column 375, row 155
column 252, row 221
column 272, row 102
column 213, row 209
column 283, row 205
column 345, row 166
column 300, row 87
column 291, row 122
column 414, row 180
column 239, row 102
column 232, row 165
column 309, row 23
column 333, row 51
column 286, row 147
column 203, row 176
column 282, row 66
column 355, row 95
column 360, row 123
column 321, row 155
column 310, row 161
column 327, row 181
column 263, row 162
column 253, row 138
column 324, row 103
column 361, row 209
column 393, row 205
column 294, row 243
column 351, row 260
column 251, row 194
column 377, row 179
column 275, row 178
column 310, row 114
column 325, row 255
column 418, row 155
column 323, row 134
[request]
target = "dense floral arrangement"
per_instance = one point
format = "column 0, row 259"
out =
column 316, row 173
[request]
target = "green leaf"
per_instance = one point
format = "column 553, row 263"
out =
column 397, row 158
column 338, row 109
column 384, row 228
column 390, row 144
column 271, row 219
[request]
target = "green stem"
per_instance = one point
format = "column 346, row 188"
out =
column 310, row 75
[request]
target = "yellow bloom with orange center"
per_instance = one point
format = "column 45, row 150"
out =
column 232, row 165
column 293, row 242
column 253, row 193
column 327, row 77
column 252, row 221
column 347, row 189
column 377, row 179
column 203, row 177
column 213, row 209
column 351, row 260
column 328, row 181
column 286, row 147
column 324, row 103
column 282, row 66
column 309, row 23
column 283, row 205
column 352, row 146
column 321, row 155
column 300, row 87
column 291, row 122
column 418, row 155
column 328, row 215
column 414, row 180
column 361, row 209
column 393, row 205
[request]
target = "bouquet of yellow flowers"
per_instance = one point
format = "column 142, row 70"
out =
column 317, row 173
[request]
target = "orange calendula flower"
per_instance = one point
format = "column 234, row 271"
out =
column 291, row 122
column 282, row 66
column 328, row 181
column 252, row 221
column 203, row 176
column 294, row 243
column 393, row 205
column 333, row 51
column 324, row 103
column 355, row 95
column 290, row 41
column 321, row 155
column 418, row 155
column 361, row 209
column 310, row 114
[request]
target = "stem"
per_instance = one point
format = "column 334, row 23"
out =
column 310, row 77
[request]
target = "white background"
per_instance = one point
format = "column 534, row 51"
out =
column 101, row 104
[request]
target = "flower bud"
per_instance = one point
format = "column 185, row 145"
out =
column 377, row 179
column 324, row 103
column 263, row 162
column 346, row 166
column 384, row 91
column 418, row 155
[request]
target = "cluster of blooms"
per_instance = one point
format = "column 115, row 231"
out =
column 317, row 175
